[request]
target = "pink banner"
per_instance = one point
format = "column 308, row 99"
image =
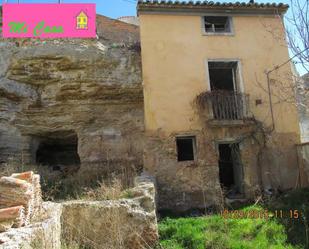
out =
column 49, row 20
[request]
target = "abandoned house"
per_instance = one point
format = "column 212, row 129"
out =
column 213, row 121
column 195, row 107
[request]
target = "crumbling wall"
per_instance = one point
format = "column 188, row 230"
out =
column 183, row 185
column 303, row 161
column 20, row 200
column 126, row 223
column 45, row 233
column 25, row 222
column 268, row 161
column 279, row 161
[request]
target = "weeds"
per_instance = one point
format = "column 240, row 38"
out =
column 104, row 191
column 296, row 228
column 97, row 184
column 216, row 232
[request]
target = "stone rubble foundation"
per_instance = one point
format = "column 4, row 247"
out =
column 20, row 199
column 129, row 223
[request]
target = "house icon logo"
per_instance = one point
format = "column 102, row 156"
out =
column 82, row 20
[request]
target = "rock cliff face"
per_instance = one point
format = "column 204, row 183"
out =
column 80, row 96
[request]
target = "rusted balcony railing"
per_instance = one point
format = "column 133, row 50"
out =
column 225, row 105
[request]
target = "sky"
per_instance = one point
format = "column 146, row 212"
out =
column 118, row 8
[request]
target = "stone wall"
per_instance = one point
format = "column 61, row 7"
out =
column 268, row 163
column 129, row 223
column 44, row 233
column 303, row 106
column 303, row 159
column 182, row 185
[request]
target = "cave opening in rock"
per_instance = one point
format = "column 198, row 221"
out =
column 58, row 150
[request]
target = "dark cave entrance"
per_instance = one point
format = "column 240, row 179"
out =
column 58, row 150
column 231, row 170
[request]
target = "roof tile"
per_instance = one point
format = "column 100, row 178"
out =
column 161, row 4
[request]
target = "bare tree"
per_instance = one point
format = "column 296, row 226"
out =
column 298, row 32
column 298, row 42
column 297, row 29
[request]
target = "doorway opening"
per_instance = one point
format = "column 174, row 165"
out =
column 231, row 170
column 58, row 150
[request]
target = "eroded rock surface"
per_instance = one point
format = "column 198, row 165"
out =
column 89, row 87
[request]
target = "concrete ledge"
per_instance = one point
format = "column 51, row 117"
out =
column 218, row 123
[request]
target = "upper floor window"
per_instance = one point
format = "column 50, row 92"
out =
column 224, row 75
column 217, row 24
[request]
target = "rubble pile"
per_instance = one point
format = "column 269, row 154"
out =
column 20, row 200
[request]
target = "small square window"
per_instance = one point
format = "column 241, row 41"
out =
column 217, row 24
column 185, row 148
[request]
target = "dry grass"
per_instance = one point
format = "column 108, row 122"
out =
column 70, row 245
column 97, row 184
column 112, row 191
column 119, row 232
column 93, row 185
column 56, row 187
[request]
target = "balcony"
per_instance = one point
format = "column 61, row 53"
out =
column 225, row 107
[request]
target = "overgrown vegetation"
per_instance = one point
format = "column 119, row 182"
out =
column 87, row 186
column 216, row 232
column 209, row 232
column 101, row 184
column 297, row 202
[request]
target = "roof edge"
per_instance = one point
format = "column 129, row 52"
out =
column 171, row 7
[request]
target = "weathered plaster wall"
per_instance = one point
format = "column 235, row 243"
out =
column 174, row 57
column 175, row 46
